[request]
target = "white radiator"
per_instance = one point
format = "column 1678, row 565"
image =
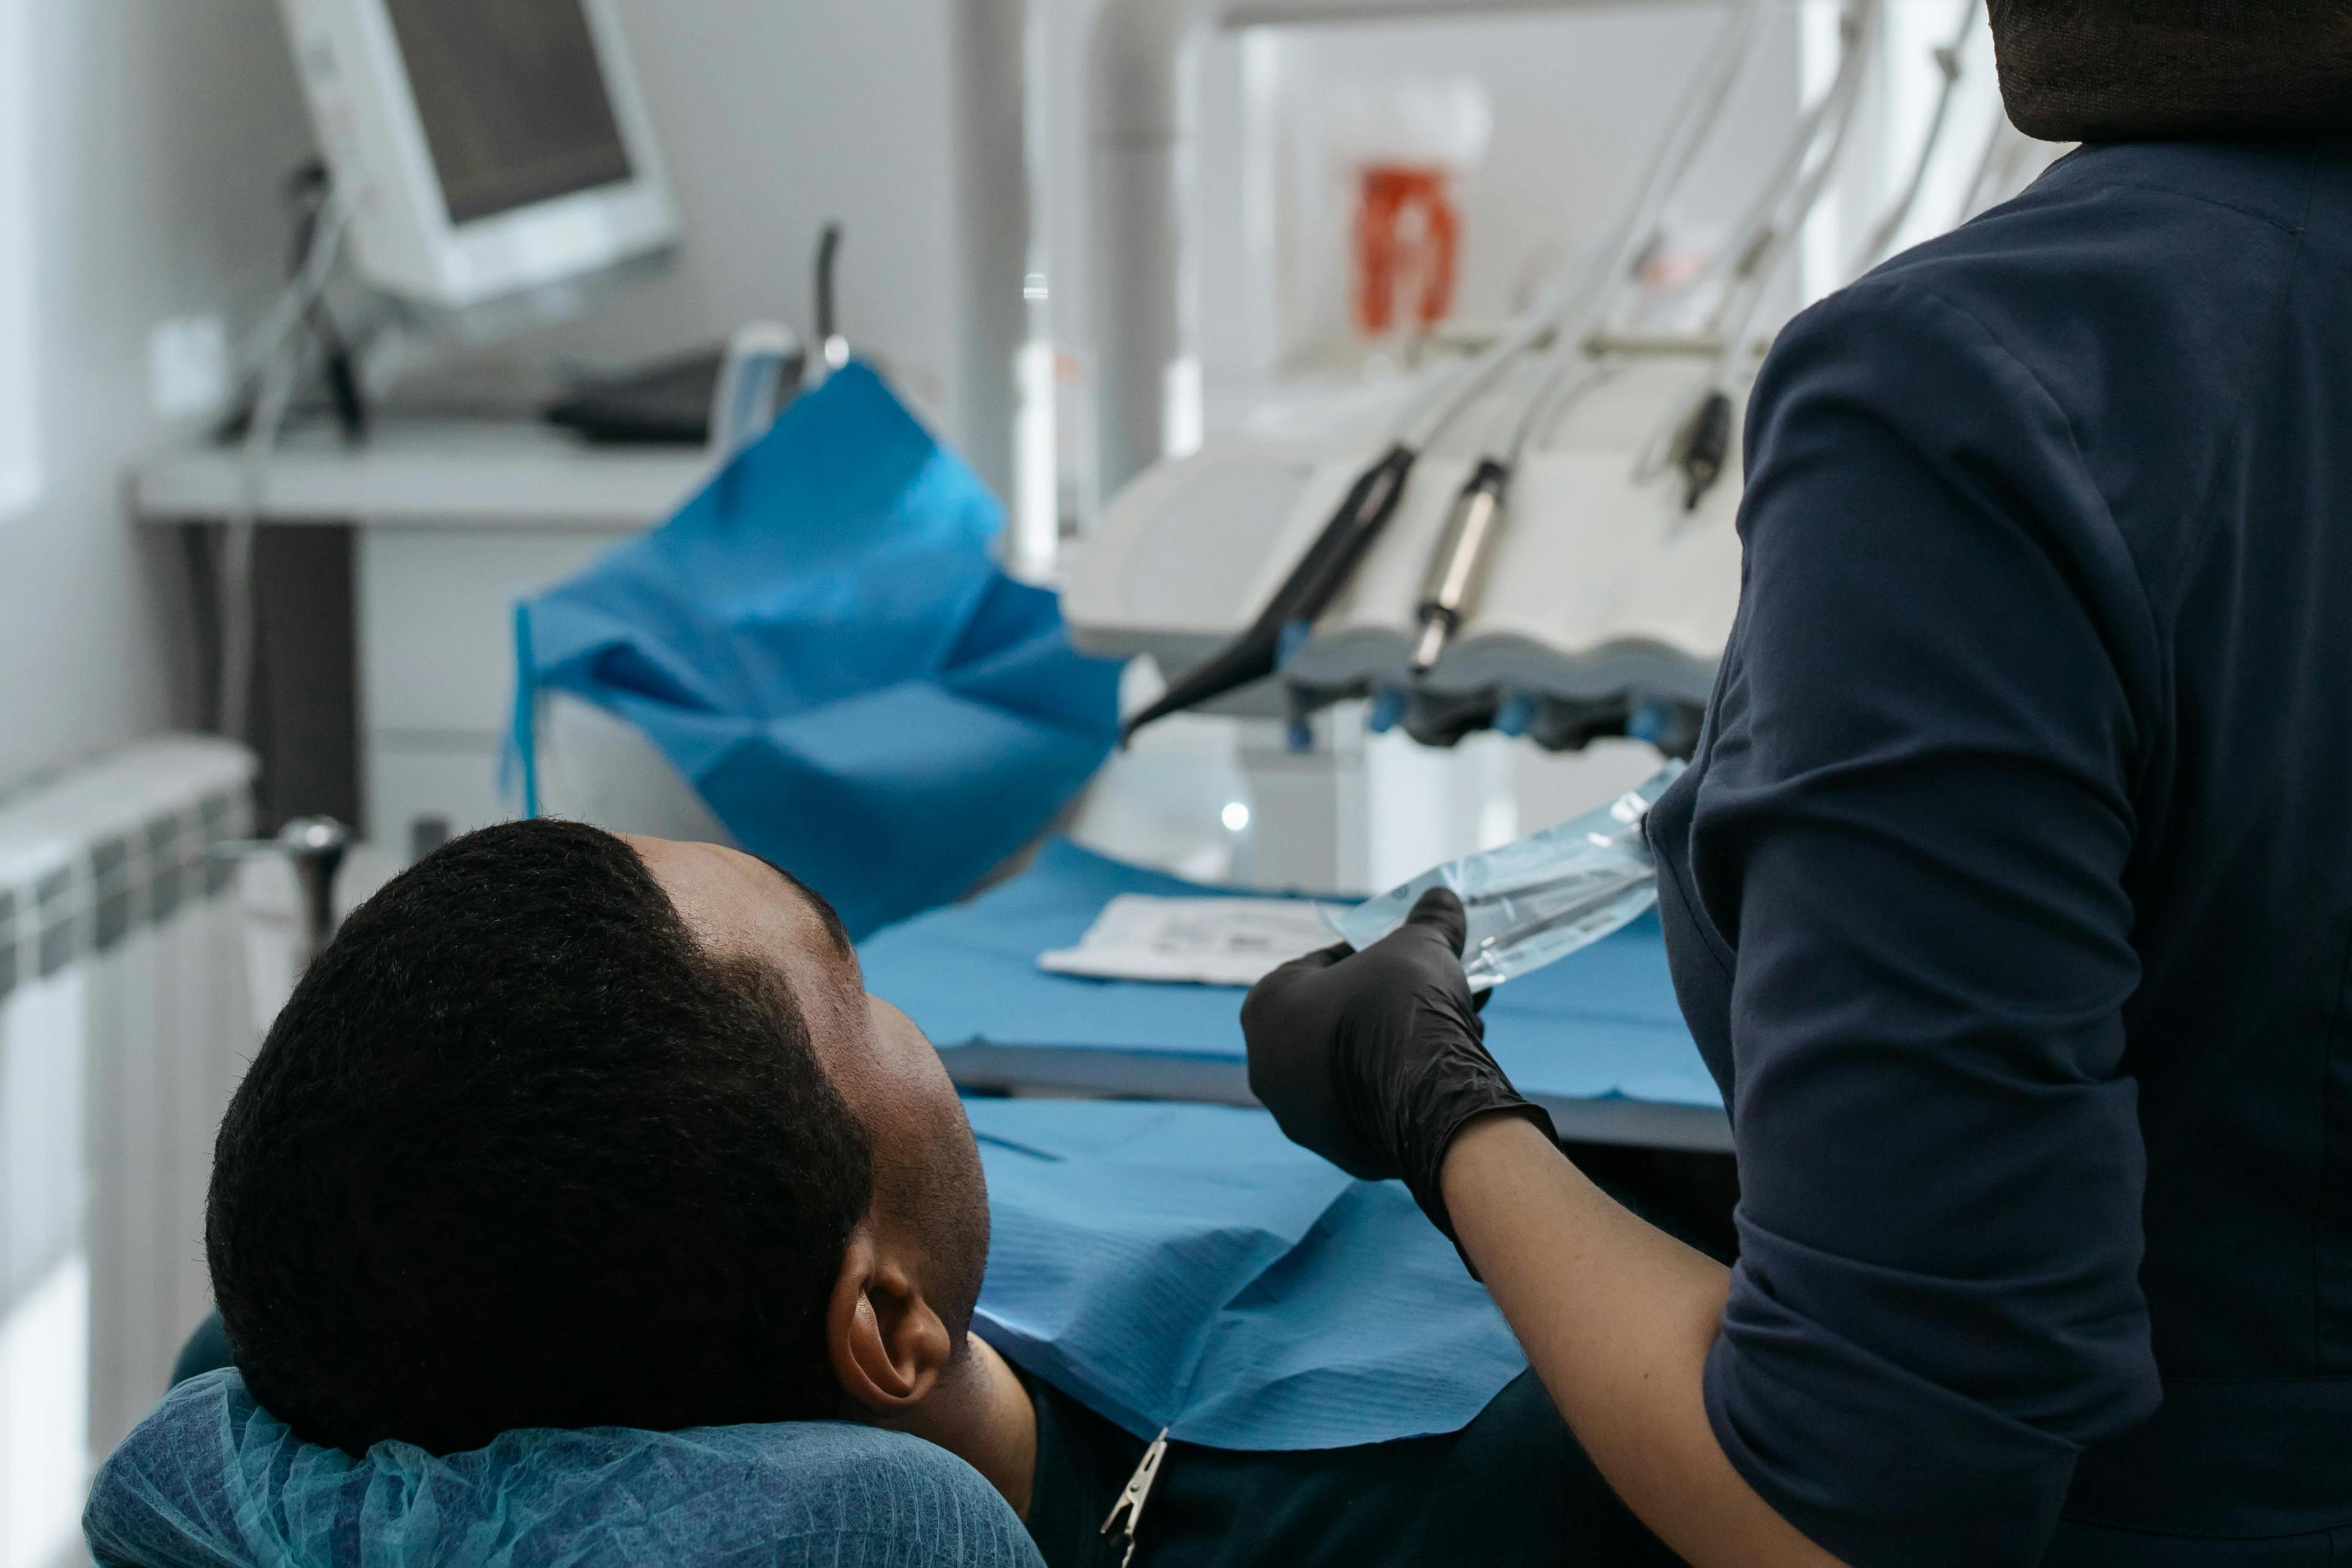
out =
column 124, row 1022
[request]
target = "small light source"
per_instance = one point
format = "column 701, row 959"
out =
column 1236, row 816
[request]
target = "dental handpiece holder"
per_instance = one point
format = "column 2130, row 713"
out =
column 1458, row 568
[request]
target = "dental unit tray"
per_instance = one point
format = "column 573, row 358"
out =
column 1603, row 594
column 1598, row 1040
column 1536, row 901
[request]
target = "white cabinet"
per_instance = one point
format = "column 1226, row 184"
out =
column 436, row 619
column 454, row 524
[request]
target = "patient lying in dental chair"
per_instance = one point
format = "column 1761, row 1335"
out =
column 570, row 1131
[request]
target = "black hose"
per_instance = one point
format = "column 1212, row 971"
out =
column 828, row 252
column 307, row 192
column 1706, row 449
column 1305, row 594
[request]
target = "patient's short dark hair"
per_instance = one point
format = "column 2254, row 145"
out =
column 519, row 1152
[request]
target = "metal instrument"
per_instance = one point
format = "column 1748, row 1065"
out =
column 1127, row 1514
column 1458, row 569
column 315, row 846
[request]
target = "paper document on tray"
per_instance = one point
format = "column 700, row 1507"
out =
column 1201, row 941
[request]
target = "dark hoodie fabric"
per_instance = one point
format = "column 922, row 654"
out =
column 2135, row 70
column 2010, row 894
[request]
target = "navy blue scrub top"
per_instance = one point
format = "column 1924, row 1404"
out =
column 2010, row 896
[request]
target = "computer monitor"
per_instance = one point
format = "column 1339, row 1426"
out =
column 489, row 146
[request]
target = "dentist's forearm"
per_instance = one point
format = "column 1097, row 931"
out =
column 1617, row 1319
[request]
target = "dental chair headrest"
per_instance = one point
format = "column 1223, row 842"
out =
column 212, row 1480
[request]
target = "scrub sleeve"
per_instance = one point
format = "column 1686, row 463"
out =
column 1893, row 889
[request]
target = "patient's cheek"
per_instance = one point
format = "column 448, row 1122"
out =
column 910, row 1068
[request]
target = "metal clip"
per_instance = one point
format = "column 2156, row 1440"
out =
column 1138, row 1493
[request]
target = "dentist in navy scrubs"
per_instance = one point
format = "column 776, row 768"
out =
column 2009, row 896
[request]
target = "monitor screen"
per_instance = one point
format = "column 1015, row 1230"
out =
column 513, row 100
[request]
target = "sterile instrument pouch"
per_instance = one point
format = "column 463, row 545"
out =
column 1539, row 898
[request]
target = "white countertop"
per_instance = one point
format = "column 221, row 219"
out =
column 431, row 474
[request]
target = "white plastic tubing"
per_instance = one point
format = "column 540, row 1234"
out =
column 1144, row 122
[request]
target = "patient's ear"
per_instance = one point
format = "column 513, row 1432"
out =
column 888, row 1346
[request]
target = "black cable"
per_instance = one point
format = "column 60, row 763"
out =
column 307, row 191
column 1706, row 448
column 1304, row 595
column 828, row 254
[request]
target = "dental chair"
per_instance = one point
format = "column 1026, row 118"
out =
column 212, row 1480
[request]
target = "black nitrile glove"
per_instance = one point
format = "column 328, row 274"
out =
column 1376, row 1059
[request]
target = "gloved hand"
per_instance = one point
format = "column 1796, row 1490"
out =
column 1376, row 1059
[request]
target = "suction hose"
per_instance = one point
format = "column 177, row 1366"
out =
column 1305, row 594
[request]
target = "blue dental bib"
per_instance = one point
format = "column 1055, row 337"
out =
column 1186, row 1266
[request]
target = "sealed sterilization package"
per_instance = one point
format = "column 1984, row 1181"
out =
column 1539, row 898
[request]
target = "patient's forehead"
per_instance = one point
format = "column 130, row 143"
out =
column 738, row 905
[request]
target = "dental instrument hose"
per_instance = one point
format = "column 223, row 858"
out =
column 1303, row 594
column 1949, row 61
column 833, row 346
column 1458, row 567
column 1466, row 551
column 277, row 348
column 1377, row 493
column 1741, row 266
column 1693, row 124
column 1350, row 533
column 1703, row 448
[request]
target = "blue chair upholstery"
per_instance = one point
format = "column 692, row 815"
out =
column 212, row 1480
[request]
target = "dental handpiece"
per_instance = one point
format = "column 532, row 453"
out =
column 1458, row 568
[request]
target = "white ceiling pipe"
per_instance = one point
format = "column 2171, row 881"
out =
column 1144, row 109
column 991, row 226
column 1144, row 115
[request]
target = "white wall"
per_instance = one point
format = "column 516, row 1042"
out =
column 158, row 131
column 19, row 463
column 775, row 116
column 1580, row 99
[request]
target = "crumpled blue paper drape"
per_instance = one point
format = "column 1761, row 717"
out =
column 823, row 642
column 1188, row 1267
column 212, row 1480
